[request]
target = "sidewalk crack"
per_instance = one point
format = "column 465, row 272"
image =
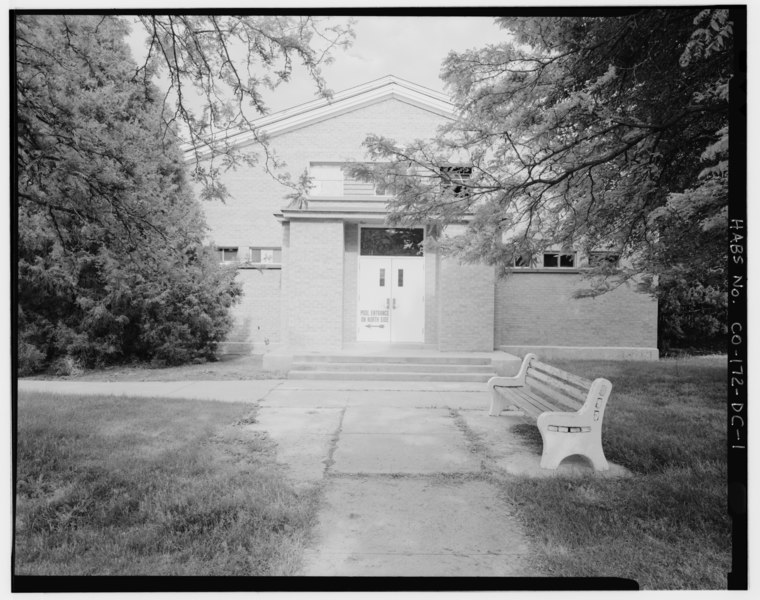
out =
column 334, row 443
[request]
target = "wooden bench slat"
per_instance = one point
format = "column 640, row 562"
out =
column 553, row 394
column 561, row 390
column 522, row 399
column 540, row 404
column 575, row 379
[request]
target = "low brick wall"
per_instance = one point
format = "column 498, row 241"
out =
column 538, row 309
column 257, row 316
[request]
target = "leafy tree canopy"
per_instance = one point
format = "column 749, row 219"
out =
column 596, row 133
column 582, row 130
column 228, row 61
column 111, row 263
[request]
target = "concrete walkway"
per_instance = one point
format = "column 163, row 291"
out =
column 409, row 470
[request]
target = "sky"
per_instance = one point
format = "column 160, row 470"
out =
column 412, row 48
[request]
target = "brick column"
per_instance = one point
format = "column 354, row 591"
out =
column 315, row 285
column 465, row 307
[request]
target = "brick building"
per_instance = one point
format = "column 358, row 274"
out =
column 332, row 275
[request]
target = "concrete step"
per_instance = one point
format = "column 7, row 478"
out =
column 390, row 359
column 388, row 376
column 392, row 367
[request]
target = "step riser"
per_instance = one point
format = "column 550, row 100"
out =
column 390, row 376
column 363, row 359
column 395, row 368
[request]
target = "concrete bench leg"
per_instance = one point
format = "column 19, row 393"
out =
column 560, row 445
column 498, row 404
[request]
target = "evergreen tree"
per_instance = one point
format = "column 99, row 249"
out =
column 111, row 262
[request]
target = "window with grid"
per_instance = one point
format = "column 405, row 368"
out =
column 270, row 256
column 561, row 260
column 548, row 260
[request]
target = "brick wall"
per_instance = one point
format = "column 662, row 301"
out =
column 466, row 306
column 246, row 217
column 285, row 285
column 431, row 292
column 350, row 273
column 315, row 285
column 534, row 309
column 257, row 316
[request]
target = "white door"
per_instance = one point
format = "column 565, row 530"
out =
column 374, row 299
column 407, row 299
column 391, row 302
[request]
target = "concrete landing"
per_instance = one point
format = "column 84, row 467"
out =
column 394, row 362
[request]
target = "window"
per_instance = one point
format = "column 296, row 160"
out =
column 524, row 261
column 563, row 260
column 227, row 255
column 376, row 241
column 267, row 257
column 607, row 259
column 326, row 179
column 547, row 260
column 333, row 179
column 452, row 176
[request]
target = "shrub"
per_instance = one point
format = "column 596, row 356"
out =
column 67, row 366
column 30, row 358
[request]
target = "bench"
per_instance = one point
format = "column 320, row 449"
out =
column 568, row 409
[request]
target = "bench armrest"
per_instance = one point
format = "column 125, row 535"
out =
column 563, row 419
column 515, row 381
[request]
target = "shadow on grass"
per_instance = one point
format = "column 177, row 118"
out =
column 529, row 435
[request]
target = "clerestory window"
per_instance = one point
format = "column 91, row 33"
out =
column 563, row 260
column 333, row 179
column 548, row 260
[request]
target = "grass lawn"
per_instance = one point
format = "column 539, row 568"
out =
column 667, row 527
column 136, row 486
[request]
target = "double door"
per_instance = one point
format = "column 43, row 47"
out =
column 391, row 299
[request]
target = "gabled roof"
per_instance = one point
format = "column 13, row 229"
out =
column 351, row 99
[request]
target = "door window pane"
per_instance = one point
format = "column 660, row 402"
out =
column 401, row 278
column 382, row 277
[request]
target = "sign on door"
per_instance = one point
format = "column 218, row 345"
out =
column 391, row 302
